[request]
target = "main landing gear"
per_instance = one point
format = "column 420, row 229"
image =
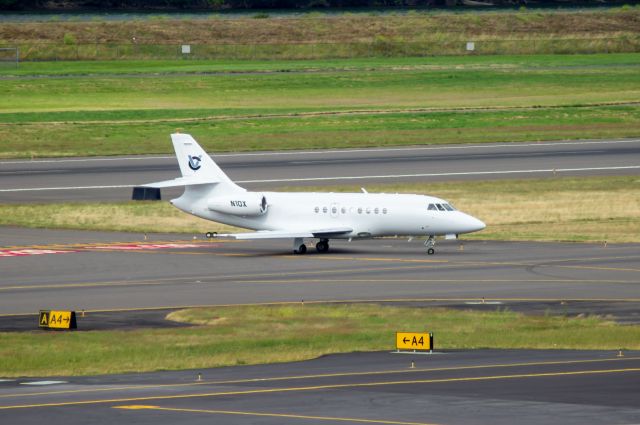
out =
column 430, row 243
column 323, row 245
column 300, row 248
column 210, row 235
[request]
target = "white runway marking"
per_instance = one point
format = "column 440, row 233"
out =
column 43, row 383
column 483, row 302
column 29, row 189
column 337, row 151
column 386, row 176
column 469, row 173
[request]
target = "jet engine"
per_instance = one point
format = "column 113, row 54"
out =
column 244, row 204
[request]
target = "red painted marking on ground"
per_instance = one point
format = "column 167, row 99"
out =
column 121, row 247
column 27, row 252
column 130, row 247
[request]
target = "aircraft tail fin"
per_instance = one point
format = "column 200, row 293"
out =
column 197, row 165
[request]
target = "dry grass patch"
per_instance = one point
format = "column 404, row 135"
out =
column 334, row 28
column 552, row 209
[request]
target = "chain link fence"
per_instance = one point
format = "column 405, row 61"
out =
column 376, row 48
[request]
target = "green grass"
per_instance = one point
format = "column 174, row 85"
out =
column 268, row 334
column 133, row 67
column 383, row 103
column 552, row 209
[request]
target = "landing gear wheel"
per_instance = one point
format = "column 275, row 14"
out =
column 430, row 243
column 210, row 235
column 322, row 246
column 299, row 247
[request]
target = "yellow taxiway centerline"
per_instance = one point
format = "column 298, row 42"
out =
column 273, row 415
column 325, row 375
column 323, row 387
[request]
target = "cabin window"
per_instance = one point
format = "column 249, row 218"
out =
column 359, row 210
column 432, row 207
column 334, row 210
column 440, row 207
column 343, row 210
column 324, row 210
column 368, row 210
column 447, row 207
column 384, row 211
column 377, row 210
column 317, row 209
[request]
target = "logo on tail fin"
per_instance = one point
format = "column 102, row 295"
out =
column 194, row 162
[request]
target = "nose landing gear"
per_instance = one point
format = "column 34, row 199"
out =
column 430, row 243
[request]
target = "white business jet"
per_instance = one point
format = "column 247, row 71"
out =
column 210, row 194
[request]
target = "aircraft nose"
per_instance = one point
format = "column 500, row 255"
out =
column 473, row 224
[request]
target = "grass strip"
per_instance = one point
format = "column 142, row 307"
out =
column 330, row 35
column 208, row 66
column 317, row 131
column 552, row 209
column 269, row 334
column 593, row 97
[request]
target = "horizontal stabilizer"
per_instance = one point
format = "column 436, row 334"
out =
column 283, row 234
column 182, row 181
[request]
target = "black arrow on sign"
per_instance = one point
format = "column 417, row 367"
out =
column 405, row 339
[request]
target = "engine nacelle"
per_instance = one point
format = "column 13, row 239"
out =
column 246, row 204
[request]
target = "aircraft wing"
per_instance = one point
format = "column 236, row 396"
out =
column 284, row 234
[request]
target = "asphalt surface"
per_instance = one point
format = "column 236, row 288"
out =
column 482, row 386
column 104, row 273
column 47, row 269
column 112, row 178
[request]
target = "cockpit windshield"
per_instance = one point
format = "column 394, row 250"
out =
column 441, row 207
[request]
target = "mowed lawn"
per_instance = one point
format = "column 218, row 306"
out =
column 329, row 104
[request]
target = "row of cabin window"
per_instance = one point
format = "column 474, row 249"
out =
column 343, row 210
column 440, row 207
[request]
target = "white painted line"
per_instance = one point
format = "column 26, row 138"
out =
column 43, row 383
column 483, row 302
column 387, row 176
column 7, row 380
column 115, row 158
column 470, row 173
column 340, row 151
column 31, row 189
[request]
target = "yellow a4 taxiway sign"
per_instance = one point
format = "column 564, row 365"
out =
column 414, row 341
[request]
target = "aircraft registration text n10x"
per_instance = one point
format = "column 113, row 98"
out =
column 210, row 194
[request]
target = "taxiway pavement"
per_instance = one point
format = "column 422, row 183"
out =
column 108, row 271
column 73, row 179
column 455, row 387
column 128, row 281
